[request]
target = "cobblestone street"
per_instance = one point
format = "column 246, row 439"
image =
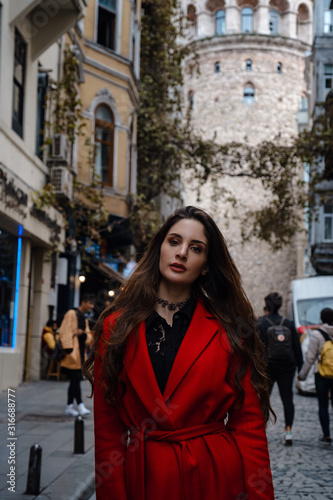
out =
column 304, row 470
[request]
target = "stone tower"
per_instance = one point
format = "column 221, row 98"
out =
column 251, row 87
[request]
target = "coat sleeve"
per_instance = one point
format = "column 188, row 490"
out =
column 247, row 426
column 110, row 444
column 311, row 355
column 67, row 329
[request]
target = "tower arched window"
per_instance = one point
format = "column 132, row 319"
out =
column 217, row 67
column 248, row 65
column 104, row 143
column 274, row 18
column 247, row 20
column 191, row 99
column 328, row 17
column 279, row 67
column 191, row 14
column 248, row 94
column 220, row 22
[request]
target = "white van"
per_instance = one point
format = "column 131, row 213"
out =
column 309, row 296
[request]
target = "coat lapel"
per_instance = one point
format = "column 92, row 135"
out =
column 141, row 374
column 139, row 369
column 202, row 329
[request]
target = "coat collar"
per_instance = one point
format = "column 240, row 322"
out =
column 138, row 367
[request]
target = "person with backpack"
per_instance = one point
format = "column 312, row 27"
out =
column 320, row 354
column 75, row 337
column 282, row 354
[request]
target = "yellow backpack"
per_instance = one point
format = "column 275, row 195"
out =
column 325, row 363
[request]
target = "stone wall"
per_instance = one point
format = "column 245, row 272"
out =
column 219, row 112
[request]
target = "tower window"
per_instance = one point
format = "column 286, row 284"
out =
column 220, row 22
column 217, row 67
column 248, row 65
column 248, row 95
column 191, row 99
column 274, row 22
column 279, row 67
column 247, row 20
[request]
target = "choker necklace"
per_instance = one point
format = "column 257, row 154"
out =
column 171, row 305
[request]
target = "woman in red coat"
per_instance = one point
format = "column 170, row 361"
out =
column 180, row 395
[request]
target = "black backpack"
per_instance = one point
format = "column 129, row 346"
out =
column 279, row 343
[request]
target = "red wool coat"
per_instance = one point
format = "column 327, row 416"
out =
column 176, row 446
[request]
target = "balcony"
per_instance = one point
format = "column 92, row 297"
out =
column 42, row 22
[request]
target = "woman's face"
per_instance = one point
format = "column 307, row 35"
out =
column 184, row 253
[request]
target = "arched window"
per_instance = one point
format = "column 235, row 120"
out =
column 247, row 20
column 274, row 22
column 248, row 94
column 328, row 17
column 191, row 99
column 191, row 13
column 104, row 138
column 220, row 22
column 279, row 67
column 248, row 65
column 217, row 67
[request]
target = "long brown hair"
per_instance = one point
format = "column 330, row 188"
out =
column 222, row 294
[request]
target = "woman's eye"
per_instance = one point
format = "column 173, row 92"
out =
column 173, row 242
column 196, row 249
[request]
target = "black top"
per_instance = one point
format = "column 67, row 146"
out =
column 264, row 324
column 81, row 321
column 163, row 340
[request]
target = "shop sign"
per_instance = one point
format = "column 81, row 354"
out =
column 11, row 195
column 47, row 221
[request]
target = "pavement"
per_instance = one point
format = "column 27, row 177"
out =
column 303, row 471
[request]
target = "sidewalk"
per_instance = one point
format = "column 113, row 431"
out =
column 40, row 420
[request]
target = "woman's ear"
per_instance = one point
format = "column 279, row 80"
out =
column 204, row 271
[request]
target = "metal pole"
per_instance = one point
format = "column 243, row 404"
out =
column 79, row 435
column 35, row 463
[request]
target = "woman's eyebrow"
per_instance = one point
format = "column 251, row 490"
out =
column 192, row 241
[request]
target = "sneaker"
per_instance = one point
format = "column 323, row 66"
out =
column 70, row 412
column 288, row 438
column 325, row 440
column 83, row 410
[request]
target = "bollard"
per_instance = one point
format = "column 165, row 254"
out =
column 35, row 464
column 79, row 435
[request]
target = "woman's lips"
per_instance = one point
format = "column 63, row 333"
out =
column 178, row 268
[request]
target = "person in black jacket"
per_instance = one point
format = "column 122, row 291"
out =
column 282, row 372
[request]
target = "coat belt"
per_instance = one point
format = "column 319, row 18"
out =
column 135, row 455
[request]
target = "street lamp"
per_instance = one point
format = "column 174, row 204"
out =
column 82, row 278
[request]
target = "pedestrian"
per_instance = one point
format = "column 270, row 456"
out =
column 48, row 345
column 180, row 394
column 75, row 336
column 324, row 386
column 283, row 359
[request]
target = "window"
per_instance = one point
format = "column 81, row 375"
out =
column 328, row 17
column 279, row 67
column 18, row 83
column 104, row 136
column 247, row 20
column 191, row 13
column 217, row 67
column 220, row 22
column 328, row 79
column 191, row 99
column 248, row 65
column 328, row 222
column 248, row 95
column 303, row 104
column 41, row 94
column 274, row 22
column 9, row 270
column 106, row 30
